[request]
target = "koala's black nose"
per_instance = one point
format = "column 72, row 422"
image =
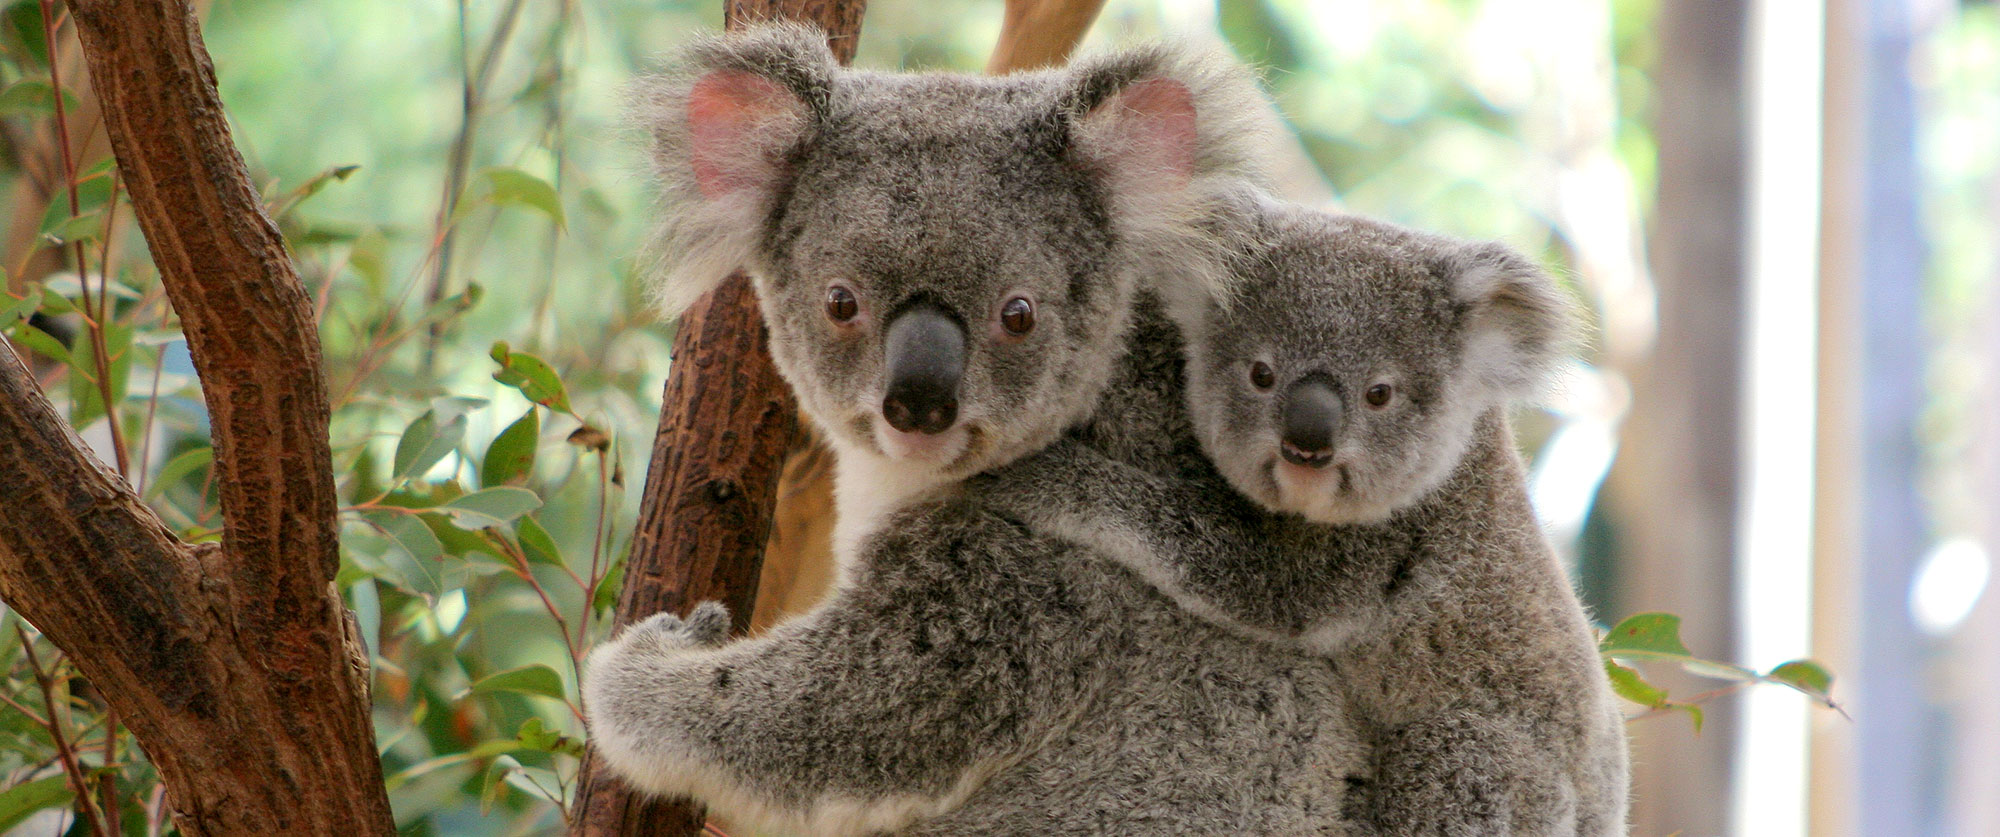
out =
column 1311, row 424
column 924, row 355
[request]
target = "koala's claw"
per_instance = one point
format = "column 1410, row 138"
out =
column 706, row 627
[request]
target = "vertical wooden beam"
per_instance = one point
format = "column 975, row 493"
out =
column 1835, row 797
column 1674, row 490
column 1889, row 694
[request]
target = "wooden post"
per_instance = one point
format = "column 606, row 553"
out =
column 1675, row 488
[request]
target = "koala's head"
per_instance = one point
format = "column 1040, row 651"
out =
column 945, row 262
column 1343, row 381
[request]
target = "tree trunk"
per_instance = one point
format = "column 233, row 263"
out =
column 726, row 424
column 1674, row 489
column 235, row 665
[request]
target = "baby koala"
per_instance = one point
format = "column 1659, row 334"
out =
column 1354, row 390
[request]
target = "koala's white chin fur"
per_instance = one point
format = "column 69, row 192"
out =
column 868, row 486
column 939, row 450
column 1316, row 495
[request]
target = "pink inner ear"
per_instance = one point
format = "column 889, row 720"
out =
column 732, row 115
column 1159, row 125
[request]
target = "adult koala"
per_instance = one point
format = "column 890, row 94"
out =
column 947, row 265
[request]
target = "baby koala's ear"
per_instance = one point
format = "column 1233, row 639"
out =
column 1520, row 324
column 1167, row 130
column 724, row 122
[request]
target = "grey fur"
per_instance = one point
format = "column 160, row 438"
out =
column 968, row 675
column 1469, row 663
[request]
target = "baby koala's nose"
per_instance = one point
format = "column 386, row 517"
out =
column 1311, row 423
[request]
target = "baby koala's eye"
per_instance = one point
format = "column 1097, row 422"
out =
column 1261, row 375
column 841, row 305
column 1018, row 316
column 1378, row 395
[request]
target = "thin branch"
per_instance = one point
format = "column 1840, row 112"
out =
column 79, row 781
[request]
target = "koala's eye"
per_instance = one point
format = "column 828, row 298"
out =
column 841, row 305
column 1018, row 316
column 1378, row 395
column 1261, row 375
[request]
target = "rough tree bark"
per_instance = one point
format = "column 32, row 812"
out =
column 726, row 423
column 235, row 664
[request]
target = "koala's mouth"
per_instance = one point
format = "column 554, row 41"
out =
column 1324, row 495
column 960, row 448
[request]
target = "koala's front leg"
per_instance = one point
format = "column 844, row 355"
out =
column 853, row 719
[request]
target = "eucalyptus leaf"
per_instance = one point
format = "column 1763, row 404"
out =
column 516, row 187
column 531, row 679
column 491, row 506
column 21, row 801
column 512, row 455
column 1647, row 635
column 532, row 376
column 425, row 443
column 536, row 543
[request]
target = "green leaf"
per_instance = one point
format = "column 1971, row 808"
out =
column 86, row 399
column 178, row 468
column 536, row 543
column 15, row 310
column 1632, row 686
column 26, row 21
column 425, row 443
column 1693, row 712
column 1646, row 635
column 409, row 532
column 491, row 785
column 534, row 736
column 33, row 97
column 513, row 186
column 23, row 800
column 512, row 455
column 1717, row 670
column 80, row 228
column 93, row 191
column 485, row 750
column 531, row 679
column 491, row 506
column 1807, row 676
column 42, row 344
column 532, row 376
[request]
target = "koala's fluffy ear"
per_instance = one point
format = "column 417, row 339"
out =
column 1520, row 324
column 723, row 122
column 1176, row 133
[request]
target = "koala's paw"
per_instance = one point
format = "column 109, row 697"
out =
column 706, row 627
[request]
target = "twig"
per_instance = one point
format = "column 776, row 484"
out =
column 471, row 91
column 93, row 322
column 79, row 782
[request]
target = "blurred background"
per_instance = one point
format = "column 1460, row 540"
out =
column 1783, row 215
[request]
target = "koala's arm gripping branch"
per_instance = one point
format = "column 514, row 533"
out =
column 849, row 720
